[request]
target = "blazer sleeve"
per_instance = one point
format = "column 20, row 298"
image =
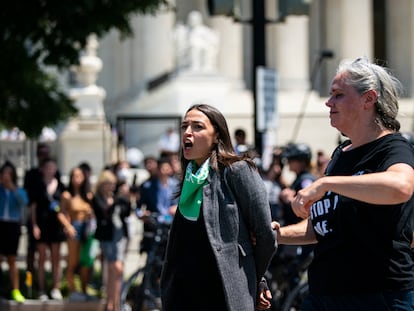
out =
column 250, row 194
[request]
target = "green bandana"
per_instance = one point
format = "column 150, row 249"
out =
column 192, row 193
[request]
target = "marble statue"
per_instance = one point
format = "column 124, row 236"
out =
column 196, row 45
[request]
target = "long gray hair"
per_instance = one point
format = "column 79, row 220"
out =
column 365, row 76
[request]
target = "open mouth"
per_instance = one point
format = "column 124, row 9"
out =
column 188, row 145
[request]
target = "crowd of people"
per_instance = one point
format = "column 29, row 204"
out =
column 92, row 219
column 230, row 216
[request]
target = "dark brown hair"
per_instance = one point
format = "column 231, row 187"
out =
column 13, row 170
column 222, row 154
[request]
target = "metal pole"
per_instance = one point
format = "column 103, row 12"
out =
column 259, row 59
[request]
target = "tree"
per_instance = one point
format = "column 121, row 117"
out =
column 37, row 34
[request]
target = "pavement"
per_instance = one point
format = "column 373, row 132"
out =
column 36, row 305
column 133, row 260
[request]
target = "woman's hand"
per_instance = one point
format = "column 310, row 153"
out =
column 36, row 232
column 70, row 232
column 305, row 197
column 300, row 207
column 7, row 182
column 265, row 296
column 275, row 225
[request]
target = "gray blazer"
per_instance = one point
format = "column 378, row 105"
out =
column 241, row 265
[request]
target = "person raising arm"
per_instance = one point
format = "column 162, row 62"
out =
column 360, row 213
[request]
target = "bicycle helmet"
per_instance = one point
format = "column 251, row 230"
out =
column 297, row 152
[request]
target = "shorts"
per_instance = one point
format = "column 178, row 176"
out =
column 115, row 249
column 10, row 234
column 80, row 227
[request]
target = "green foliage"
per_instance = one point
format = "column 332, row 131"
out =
column 39, row 33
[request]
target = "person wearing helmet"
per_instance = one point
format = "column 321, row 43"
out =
column 298, row 157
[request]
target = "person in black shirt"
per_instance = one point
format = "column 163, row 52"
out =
column 47, row 229
column 32, row 180
column 360, row 215
column 111, row 212
column 298, row 157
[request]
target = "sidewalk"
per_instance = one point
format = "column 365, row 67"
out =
column 36, row 305
column 133, row 260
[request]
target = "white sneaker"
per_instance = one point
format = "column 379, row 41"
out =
column 56, row 294
column 42, row 296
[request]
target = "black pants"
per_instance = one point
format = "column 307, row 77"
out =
column 191, row 295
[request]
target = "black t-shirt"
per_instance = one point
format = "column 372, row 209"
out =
column 363, row 247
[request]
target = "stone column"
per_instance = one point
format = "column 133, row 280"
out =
column 400, row 42
column 87, row 136
column 287, row 46
column 348, row 31
column 230, row 56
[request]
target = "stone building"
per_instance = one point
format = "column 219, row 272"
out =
column 149, row 82
column 180, row 57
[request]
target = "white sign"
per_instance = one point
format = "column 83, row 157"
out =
column 266, row 98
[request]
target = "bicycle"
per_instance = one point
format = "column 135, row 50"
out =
column 295, row 298
column 287, row 279
column 141, row 290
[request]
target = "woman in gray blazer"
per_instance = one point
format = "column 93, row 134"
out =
column 221, row 239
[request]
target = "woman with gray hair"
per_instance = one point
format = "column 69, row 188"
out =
column 360, row 214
